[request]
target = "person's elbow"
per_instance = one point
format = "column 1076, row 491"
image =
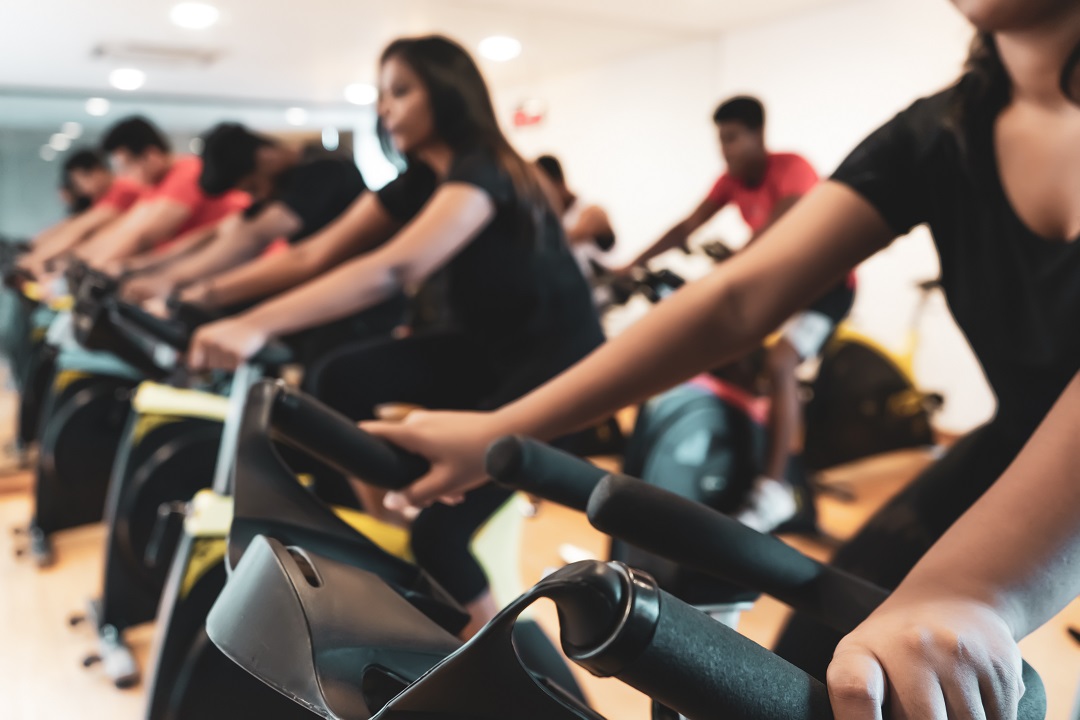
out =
column 405, row 277
column 308, row 262
column 739, row 315
column 251, row 245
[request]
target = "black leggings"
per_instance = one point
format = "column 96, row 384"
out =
column 439, row 371
column 890, row 544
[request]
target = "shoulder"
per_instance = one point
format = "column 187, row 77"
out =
column 788, row 160
column 481, row 169
column 327, row 170
column 403, row 196
column 475, row 163
column 181, row 182
column 930, row 119
column 724, row 183
column 329, row 166
column 127, row 185
column 186, row 166
column 125, row 188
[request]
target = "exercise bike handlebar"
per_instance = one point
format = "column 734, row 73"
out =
column 711, row 542
column 703, row 669
column 306, row 423
column 178, row 337
column 690, row 663
column 534, row 467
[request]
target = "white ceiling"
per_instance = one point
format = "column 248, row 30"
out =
column 293, row 51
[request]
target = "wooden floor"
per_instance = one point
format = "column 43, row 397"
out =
column 41, row 676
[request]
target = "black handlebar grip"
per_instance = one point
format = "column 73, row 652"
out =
column 704, row 670
column 162, row 330
column 690, row 533
column 532, row 466
column 177, row 335
column 273, row 355
column 333, row 438
column 703, row 539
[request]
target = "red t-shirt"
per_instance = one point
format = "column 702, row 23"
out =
column 786, row 175
column 181, row 185
column 122, row 194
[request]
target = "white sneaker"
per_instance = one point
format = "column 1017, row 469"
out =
column 771, row 503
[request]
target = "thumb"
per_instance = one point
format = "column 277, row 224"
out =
column 196, row 357
column 395, row 432
column 857, row 685
column 421, row 493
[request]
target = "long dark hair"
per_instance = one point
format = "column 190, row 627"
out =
column 987, row 88
column 463, row 113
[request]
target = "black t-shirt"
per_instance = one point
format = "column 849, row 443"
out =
column 1015, row 294
column 317, row 191
column 522, row 298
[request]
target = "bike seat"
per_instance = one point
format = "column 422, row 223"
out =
column 343, row 642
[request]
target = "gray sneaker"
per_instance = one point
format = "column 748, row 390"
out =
column 770, row 504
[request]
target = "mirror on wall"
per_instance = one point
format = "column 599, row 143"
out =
column 38, row 130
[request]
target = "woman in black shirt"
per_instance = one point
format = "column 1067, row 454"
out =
column 993, row 166
column 470, row 208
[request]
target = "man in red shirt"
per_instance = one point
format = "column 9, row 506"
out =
column 110, row 196
column 173, row 204
column 764, row 186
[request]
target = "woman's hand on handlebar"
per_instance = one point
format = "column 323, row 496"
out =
column 197, row 294
column 158, row 307
column 927, row 660
column 225, row 344
column 453, row 442
column 35, row 265
column 144, row 288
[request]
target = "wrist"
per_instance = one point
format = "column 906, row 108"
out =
column 265, row 320
column 915, row 591
column 513, row 419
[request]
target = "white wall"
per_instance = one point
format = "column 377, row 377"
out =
column 636, row 135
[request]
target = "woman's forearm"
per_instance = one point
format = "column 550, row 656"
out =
column 362, row 227
column 714, row 320
column 1018, row 548
column 151, row 261
column 226, row 252
column 261, row 277
column 73, row 232
column 698, row 327
column 348, row 289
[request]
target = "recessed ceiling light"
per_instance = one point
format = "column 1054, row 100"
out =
column 72, row 129
column 127, row 78
column 60, row 142
column 500, row 48
column 296, row 116
column 97, row 107
column 361, row 94
column 194, row 15
column 47, row 153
